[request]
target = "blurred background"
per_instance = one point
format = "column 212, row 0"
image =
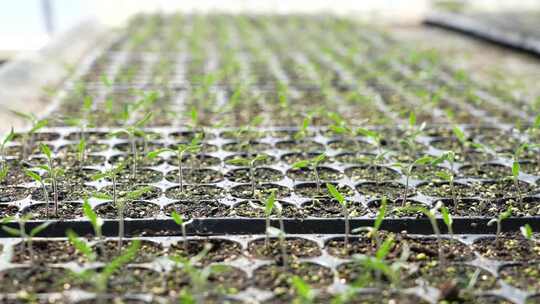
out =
column 28, row 24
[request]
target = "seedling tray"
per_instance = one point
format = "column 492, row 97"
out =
column 248, row 266
column 513, row 30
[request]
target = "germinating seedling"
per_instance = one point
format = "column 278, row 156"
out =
column 449, row 177
column 100, row 279
column 280, row 234
column 180, row 221
column 528, row 234
column 198, row 277
column 82, row 123
column 498, row 221
column 381, row 266
column 249, row 162
column 312, row 164
column 374, row 232
column 120, row 205
column 4, row 167
column 431, row 215
column 134, row 131
column 413, row 132
column 28, row 137
column 22, row 232
column 95, row 221
column 344, row 209
column 37, row 178
column 516, row 168
column 408, row 172
column 269, row 205
column 192, row 148
column 448, row 220
column 53, row 173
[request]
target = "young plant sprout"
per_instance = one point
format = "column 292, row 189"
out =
column 193, row 147
column 374, row 232
column 408, row 172
column 133, row 131
column 198, row 277
column 431, row 215
column 37, row 178
column 381, row 266
column 179, row 220
column 449, row 177
column 268, row 208
column 120, row 205
column 95, row 221
column 498, row 221
column 53, row 174
column 413, row 131
column 344, row 209
column 22, row 233
column 304, row 293
column 516, row 168
column 312, row 164
column 303, row 130
column 528, row 234
column 448, row 220
column 249, row 162
column 99, row 280
column 280, row 234
column 4, row 167
column 82, row 123
column 248, row 133
column 28, row 137
column 376, row 138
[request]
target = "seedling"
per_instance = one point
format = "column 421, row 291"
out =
column 82, row 123
column 304, row 293
column 375, row 137
column 303, row 130
column 22, row 233
column 179, row 220
column 99, row 279
column 312, row 164
column 450, row 156
column 53, row 174
column 133, row 131
column 374, row 232
column 344, row 209
column 28, row 137
column 4, row 167
column 120, row 205
column 528, row 234
column 193, row 147
column 95, row 221
column 413, row 131
column 280, row 233
column 516, row 168
column 198, row 277
column 498, row 221
column 249, row 162
column 37, row 178
column 431, row 215
column 447, row 219
column 380, row 265
column 248, row 133
column 268, row 208
column 408, row 172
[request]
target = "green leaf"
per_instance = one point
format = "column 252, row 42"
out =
column 11, row 231
column 99, row 176
column 177, row 218
column 302, row 288
column 447, row 218
column 424, row 160
column 238, row 161
column 515, row 169
column 103, row 196
column 105, row 80
column 459, row 134
column 36, row 230
column 4, row 172
column 92, row 216
column 443, row 175
column 156, row 153
column 385, row 248
column 80, row 245
column 136, row 194
column 9, row 137
column 506, row 214
column 335, row 193
column 143, row 121
column 412, row 119
column 300, row 164
column 269, row 205
column 318, row 159
column 526, row 231
column 40, row 124
column 33, row 175
column 45, row 150
column 381, row 214
column 121, row 260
